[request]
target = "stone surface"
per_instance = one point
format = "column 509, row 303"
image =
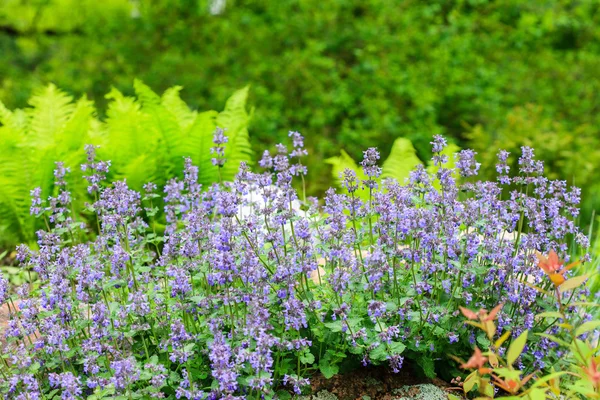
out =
column 425, row 391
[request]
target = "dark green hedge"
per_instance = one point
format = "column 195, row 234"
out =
column 346, row 73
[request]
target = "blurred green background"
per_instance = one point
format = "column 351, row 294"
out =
column 348, row 74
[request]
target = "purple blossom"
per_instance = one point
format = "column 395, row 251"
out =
column 68, row 383
column 438, row 143
column 466, row 163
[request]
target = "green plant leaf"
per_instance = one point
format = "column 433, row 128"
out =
column 573, row 283
column 516, row 347
column 586, row 327
column 328, row 370
column 401, row 161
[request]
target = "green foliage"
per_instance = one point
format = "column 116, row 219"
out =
column 578, row 373
column 348, row 74
column 568, row 153
column 53, row 128
column 401, row 161
column 145, row 136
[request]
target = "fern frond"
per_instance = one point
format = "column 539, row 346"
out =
column 50, row 110
column 145, row 95
column 401, row 161
column 173, row 103
column 199, row 140
column 235, row 119
column 16, row 121
column 163, row 125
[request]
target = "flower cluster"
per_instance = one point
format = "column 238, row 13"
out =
column 243, row 288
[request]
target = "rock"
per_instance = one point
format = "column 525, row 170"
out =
column 322, row 395
column 425, row 391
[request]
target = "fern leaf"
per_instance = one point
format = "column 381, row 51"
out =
column 199, row 140
column 235, row 119
column 401, row 161
column 145, row 95
column 164, row 125
column 50, row 110
column 173, row 103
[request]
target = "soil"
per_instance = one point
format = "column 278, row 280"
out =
column 379, row 383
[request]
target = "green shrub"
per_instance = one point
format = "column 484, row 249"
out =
column 401, row 161
column 569, row 153
column 146, row 138
column 348, row 74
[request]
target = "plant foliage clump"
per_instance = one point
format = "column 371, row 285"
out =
column 252, row 288
column 145, row 137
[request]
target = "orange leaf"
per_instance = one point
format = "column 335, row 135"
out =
column 467, row 313
column 492, row 315
column 557, row 279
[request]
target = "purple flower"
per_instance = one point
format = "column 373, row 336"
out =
column 36, row 202
column 370, row 168
column 296, row 382
column 70, row 385
column 466, row 163
column 98, row 169
column 395, row 361
column 438, row 144
column 125, row 372
column 453, row 337
column 219, row 139
column 222, row 365
column 3, row 289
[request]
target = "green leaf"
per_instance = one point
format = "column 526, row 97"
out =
column 547, row 378
column 334, row 326
column 397, row 347
column 516, row 347
column 586, row 327
column 573, row 283
column 328, row 370
column 470, row 382
column 283, row 395
column 549, row 314
column 401, row 161
column 307, row 358
column 379, row 353
column 427, row 365
column 537, row 394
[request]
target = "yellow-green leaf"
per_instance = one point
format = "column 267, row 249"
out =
column 549, row 314
column 586, row 327
column 516, row 347
column 502, row 339
column 547, row 378
column 470, row 381
column 573, row 283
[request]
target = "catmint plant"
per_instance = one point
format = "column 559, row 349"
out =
column 249, row 289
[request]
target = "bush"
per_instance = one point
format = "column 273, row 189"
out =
column 352, row 73
column 577, row 373
column 252, row 288
column 145, row 137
